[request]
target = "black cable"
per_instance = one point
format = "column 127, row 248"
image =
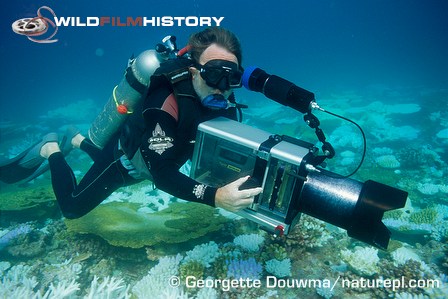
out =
column 240, row 114
column 363, row 138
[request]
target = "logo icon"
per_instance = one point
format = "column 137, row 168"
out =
column 37, row 26
column 159, row 142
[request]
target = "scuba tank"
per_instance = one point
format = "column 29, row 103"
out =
column 129, row 93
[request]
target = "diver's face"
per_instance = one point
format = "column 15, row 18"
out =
column 213, row 52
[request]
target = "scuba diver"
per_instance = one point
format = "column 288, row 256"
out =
column 156, row 139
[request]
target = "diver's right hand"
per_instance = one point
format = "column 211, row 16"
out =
column 229, row 197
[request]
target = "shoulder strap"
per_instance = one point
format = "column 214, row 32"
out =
column 174, row 70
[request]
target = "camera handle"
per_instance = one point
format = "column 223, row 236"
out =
column 313, row 122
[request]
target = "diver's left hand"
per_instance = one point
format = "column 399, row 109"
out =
column 229, row 197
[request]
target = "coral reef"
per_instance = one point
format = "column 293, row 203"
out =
column 98, row 261
column 279, row 268
column 121, row 224
column 274, row 250
column 157, row 279
column 19, row 200
column 151, row 199
column 81, row 111
column 7, row 236
column 249, row 242
column 244, row 269
column 403, row 255
column 205, row 254
column 428, row 222
column 130, row 246
column 363, row 261
column 309, row 233
column 411, row 270
column 18, row 283
column 191, row 268
column 388, row 161
column 428, row 216
column 428, row 188
column 110, row 287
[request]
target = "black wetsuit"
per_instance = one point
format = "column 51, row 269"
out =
column 163, row 133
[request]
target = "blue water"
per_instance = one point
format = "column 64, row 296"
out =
column 321, row 45
column 382, row 63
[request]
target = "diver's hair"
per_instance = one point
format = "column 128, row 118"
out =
column 214, row 35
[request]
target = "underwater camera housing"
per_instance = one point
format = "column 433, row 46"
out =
column 286, row 169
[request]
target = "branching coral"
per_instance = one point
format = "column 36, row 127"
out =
column 192, row 268
column 428, row 221
column 411, row 270
column 275, row 251
column 204, row 254
column 245, row 269
column 428, row 216
column 18, row 283
column 249, row 242
column 65, row 271
column 309, row 233
column 109, row 287
column 279, row 268
column 424, row 156
column 157, row 279
column 402, row 255
column 362, row 261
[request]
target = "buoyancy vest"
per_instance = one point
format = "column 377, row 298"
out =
column 174, row 73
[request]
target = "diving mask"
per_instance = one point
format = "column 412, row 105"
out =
column 221, row 74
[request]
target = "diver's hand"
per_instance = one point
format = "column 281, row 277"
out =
column 229, row 197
